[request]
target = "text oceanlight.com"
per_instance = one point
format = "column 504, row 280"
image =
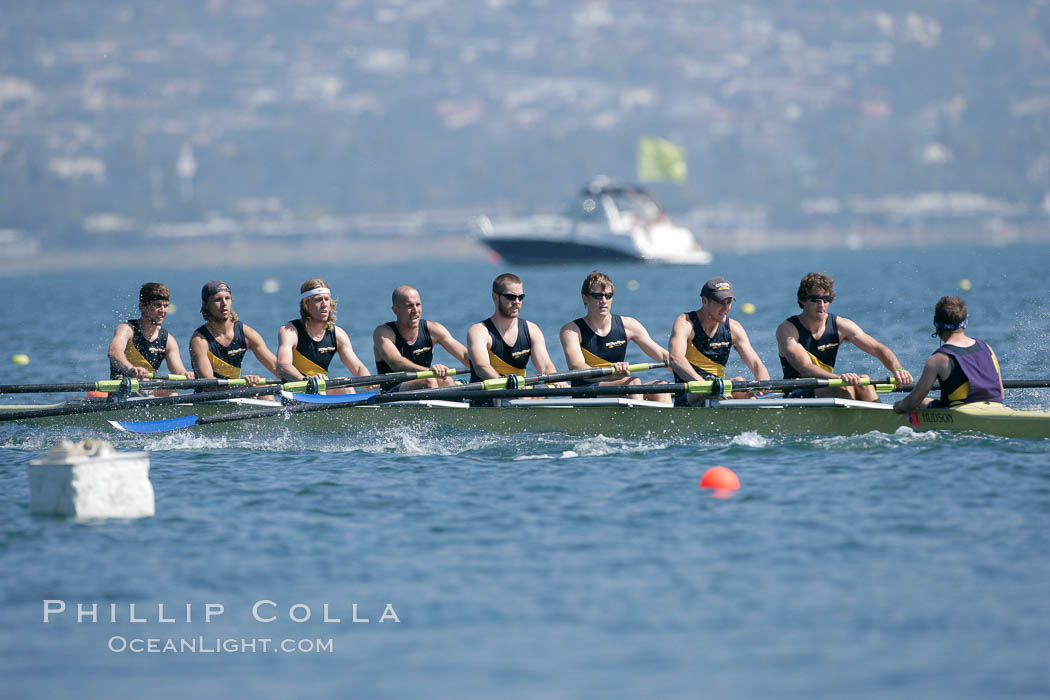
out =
column 229, row 645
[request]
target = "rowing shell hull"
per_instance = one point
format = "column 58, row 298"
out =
column 643, row 419
column 611, row 417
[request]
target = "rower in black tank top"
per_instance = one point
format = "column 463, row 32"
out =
column 708, row 355
column 420, row 352
column 226, row 360
column 507, row 360
column 822, row 351
column 148, row 354
column 601, row 350
column 311, row 356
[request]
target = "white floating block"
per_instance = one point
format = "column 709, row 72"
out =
column 90, row 479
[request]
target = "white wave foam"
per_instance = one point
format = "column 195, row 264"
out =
column 750, row 439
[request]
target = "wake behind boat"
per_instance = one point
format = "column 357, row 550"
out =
column 607, row 221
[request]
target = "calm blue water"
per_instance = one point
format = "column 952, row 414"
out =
column 907, row 565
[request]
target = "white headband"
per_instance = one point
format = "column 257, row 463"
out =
column 314, row 292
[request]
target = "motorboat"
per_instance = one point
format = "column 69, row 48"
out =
column 607, row 221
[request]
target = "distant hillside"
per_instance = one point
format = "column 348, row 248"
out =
column 120, row 122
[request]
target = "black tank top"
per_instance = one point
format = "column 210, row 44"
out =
column 708, row 355
column 602, row 350
column 420, row 352
column 311, row 356
column 226, row 360
column 822, row 351
column 141, row 352
column 507, row 360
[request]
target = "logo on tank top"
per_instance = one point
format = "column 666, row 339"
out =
column 326, row 349
column 822, row 348
column 519, row 353
column 422, row 350
column 615, row 343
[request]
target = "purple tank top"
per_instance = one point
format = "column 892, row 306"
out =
column 977, row 364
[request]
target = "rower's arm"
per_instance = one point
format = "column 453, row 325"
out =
column 440, row 335
column 681, row 336
column 540, row 359
column 347, row 354
column 287, row 338
column 852, row 333
column 936, row 366
column 384, row 348
column 747, row 353
column 478, row 344
column 570, row 343
column 792, row 351
column 637, row 332
column 199, row 357
column 118, row 359
column 262, row 353
column 174, row 359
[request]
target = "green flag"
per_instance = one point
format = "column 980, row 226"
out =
column 661, row 161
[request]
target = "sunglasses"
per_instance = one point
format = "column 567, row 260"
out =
column 600, row 295
column 512, row 297
column 826, row 298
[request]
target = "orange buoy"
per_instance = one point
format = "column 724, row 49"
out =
column 721, row 478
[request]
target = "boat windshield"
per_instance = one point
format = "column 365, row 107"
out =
column 628, row 200
column 635, row 202
column 585, row 209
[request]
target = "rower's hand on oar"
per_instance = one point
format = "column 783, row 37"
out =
column 252, row 379
column 440, row 371
column 852, row 378
column 622, row 368
column 139, row 372
column 903, row 376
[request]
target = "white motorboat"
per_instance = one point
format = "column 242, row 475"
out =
column 608, row 221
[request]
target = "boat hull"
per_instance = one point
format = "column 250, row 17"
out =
column 610, row 417
column 541, row 252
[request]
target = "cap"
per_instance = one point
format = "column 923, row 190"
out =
column 214, row 287
column 718, row 289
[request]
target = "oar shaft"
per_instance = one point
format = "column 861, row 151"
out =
column 136, row 404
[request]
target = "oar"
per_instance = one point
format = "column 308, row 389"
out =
column 237, row 393
column 1007, row 384
column 482, row 387
column 130, row 385
column 716, row 387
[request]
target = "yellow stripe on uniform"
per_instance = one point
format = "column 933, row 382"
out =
column 502, row 368
column 818, row 363
column 305, row 366
column 223, row 368
column 135, row 357
column 593, row 360
column 703, row 362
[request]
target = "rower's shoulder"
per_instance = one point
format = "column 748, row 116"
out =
column 570, row 327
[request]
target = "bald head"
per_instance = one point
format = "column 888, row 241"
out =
column 403, row 292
